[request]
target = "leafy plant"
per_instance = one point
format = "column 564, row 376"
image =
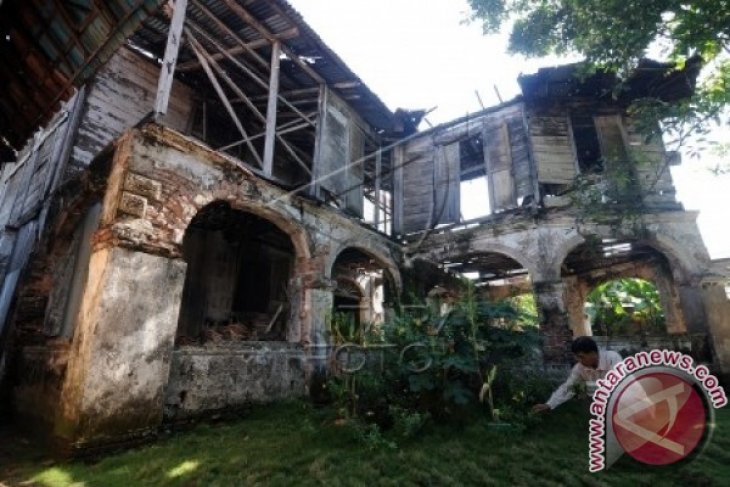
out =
column 432, row 367
column 626, row 306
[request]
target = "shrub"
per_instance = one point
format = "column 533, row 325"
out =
column 431, row 367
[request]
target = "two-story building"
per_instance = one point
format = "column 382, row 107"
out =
column 190, row 189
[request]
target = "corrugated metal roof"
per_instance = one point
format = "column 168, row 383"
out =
column 51, row 46
column 48, row 47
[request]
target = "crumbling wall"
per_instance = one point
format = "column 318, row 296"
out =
column 219, row 377
column 541, row 244
column 122, row 339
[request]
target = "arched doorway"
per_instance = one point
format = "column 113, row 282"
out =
column 363, row 290
column 498, row 277
column 237, row 280
column 629, row 286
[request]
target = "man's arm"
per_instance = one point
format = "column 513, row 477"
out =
column 565, row 391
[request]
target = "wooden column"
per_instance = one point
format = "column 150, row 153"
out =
column 398, row 158
column 271, row 110
column 167, row 70
column 319, row 130
column 378, row 165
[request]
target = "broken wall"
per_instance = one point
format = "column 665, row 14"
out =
column 434, row 163
column 122, row 346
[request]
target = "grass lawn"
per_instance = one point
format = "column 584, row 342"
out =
column 295, row 444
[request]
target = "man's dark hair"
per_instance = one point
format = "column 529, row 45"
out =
column 584, row 345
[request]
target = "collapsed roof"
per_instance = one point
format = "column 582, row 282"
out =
column 52, row 47
column 650, row 79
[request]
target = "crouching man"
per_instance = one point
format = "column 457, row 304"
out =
column 592, row 365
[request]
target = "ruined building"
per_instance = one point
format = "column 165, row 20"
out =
column 190, row 188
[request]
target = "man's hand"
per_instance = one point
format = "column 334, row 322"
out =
column 540, row 408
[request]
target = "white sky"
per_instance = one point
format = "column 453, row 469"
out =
column 418, row 54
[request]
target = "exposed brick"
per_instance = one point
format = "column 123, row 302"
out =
column 143, row 186
column 133, row 204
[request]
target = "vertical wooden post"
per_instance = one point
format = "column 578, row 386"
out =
column 487, row 142
column 398, row 158
column 271, row 110
column 167, row 70
column 533, row 163
column 378, row 164
column 319, row 134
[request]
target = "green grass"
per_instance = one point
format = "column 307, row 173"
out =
column 295, row 444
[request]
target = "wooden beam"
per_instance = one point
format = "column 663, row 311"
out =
column 487, row 142
column 271, row 109
column 262, row 30
column 167, row 70
column 281, row 130
column 200, row 54
column 302, row 91
column 316, row 159
column 221, row 25
column 246, row 70
column 239, row 92
column 398, row 158
column 234, row 51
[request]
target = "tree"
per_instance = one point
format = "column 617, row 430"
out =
column 614, row 34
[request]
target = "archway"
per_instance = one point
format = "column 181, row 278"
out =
column 618, row 272
column 237, row 281
column 499, row 277
column 364, row 288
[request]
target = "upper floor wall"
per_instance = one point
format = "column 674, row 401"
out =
column 521, row 155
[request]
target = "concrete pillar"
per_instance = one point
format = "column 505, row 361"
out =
column 693, row 308
column 554, row 328
column 717, row 311
column 575, row 297
column 669, row 298
column 124, row 336
column 321, row 300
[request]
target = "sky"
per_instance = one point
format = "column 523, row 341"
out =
column 420, row 54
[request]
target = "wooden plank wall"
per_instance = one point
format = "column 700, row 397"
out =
column 418, row 183
column 553, row 149
column 653, row 172
column 430, row 158
column 342, row 143
column 123, row 93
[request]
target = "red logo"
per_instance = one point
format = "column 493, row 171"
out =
column 659, row 419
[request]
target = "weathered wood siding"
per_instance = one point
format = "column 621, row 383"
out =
column 341, row 148
column 121, row 95
column 432, row 167
column 652, row 170
column 418, row 183
column 553, row 149
column 447, row 167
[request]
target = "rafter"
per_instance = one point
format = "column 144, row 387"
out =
column 199, row 53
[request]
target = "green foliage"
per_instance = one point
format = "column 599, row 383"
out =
column 614, row 199
column 609, row 32
column 431, row 367
column 626, row 307
column 615, row 34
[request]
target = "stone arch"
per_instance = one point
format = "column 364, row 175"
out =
column 241, row 275
column 583, row 269
column 680, row 262
column 285, row 222
column 493, row 247
column 382, row 258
